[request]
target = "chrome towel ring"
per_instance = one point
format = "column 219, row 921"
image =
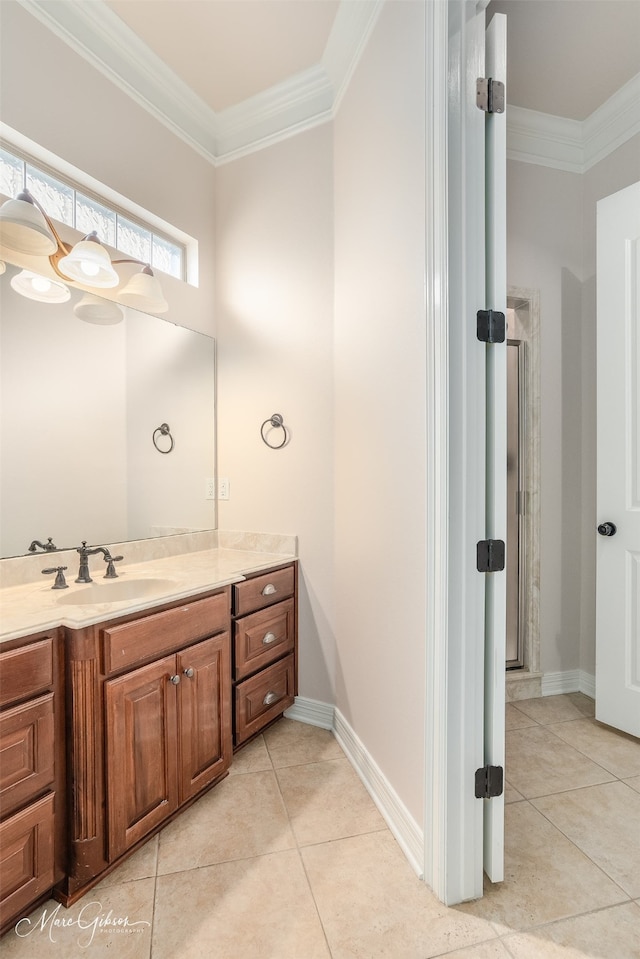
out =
column 163, row 430
column 277, row 423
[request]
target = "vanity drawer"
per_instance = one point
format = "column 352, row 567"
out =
column 26, row 857
column 263, row 637
column 261, row 591
column 26, row 671
column 26, row 751
column 263, row 697
column 151, row 636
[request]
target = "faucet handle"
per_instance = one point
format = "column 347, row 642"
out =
column 111, row 570
column 60, row 581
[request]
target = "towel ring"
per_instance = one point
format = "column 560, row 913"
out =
column 164, row 430
column 277, row 423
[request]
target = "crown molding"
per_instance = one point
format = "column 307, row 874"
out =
column 574, row 145
column 99, row 36
column 299, row 103
column 349, row 36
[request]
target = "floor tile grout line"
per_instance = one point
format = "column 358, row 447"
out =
column 570, row 789
column 578, row 750
column 577, row 915
column 299, row 849
column 571, row 746
column 155, row 895
column 582, row 852
column 315, row 903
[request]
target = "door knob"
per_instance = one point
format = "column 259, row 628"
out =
column 607, row 529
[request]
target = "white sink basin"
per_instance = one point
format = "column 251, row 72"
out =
column 114, row 591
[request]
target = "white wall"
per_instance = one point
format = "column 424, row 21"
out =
column 551, row 247
column 54, row 97
column 380, row 400
column 274, row 228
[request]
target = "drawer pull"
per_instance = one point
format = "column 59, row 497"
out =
column 270, row 699
column 268, row 638
column 189, row 671
column 269, row 590
column 174, row 679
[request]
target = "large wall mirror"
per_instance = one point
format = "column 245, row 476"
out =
column 80, row 403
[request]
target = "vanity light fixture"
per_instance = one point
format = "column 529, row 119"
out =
column 40, row 288
column 143, row 292
column 95, row 309
column 25, row 227
column 88, row 262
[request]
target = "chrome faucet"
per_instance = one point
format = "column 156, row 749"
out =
column 87, row 551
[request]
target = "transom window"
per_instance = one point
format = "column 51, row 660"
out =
column 65, row 203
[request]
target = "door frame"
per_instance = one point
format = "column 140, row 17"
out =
column 455, row 284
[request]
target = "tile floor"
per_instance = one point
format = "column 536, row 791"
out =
column 288, row 858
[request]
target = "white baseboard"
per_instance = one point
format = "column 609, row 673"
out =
column 569, row 681
column 587, row 684
column 404, row 828
column 311, row 711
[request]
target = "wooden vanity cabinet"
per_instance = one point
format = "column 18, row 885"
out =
column 150, row 703
column 31, row 773
column 165, row 737
column 265, row 649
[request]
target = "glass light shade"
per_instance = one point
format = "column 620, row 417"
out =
column 143, row 292
column 24, row 229
column 40, row 288
column 92, row 309
column 3, row 267
column 90, row 264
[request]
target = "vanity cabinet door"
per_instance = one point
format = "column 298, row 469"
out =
column 141, row 734
column 204, row 713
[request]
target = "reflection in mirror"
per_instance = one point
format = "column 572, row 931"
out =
column 80, row 400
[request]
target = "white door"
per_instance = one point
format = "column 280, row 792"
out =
column 496, row 487
column 618, row 497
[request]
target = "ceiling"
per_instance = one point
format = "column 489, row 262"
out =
column 230, row 50
column 229, row 75
column 566, row 57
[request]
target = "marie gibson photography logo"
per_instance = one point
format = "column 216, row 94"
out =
column 91, row 920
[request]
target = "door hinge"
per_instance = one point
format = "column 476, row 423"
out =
column 490, row 326
column 490, row 95
column 490, row 555
column 489, row 782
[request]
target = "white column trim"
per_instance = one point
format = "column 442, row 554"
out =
column 437, row 420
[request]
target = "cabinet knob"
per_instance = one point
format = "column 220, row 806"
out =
column 190, row 672
column 174, row 679
column 269, row 699
column 268, row 638
column 269, row 590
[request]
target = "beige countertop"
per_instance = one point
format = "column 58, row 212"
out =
column 34, row 606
